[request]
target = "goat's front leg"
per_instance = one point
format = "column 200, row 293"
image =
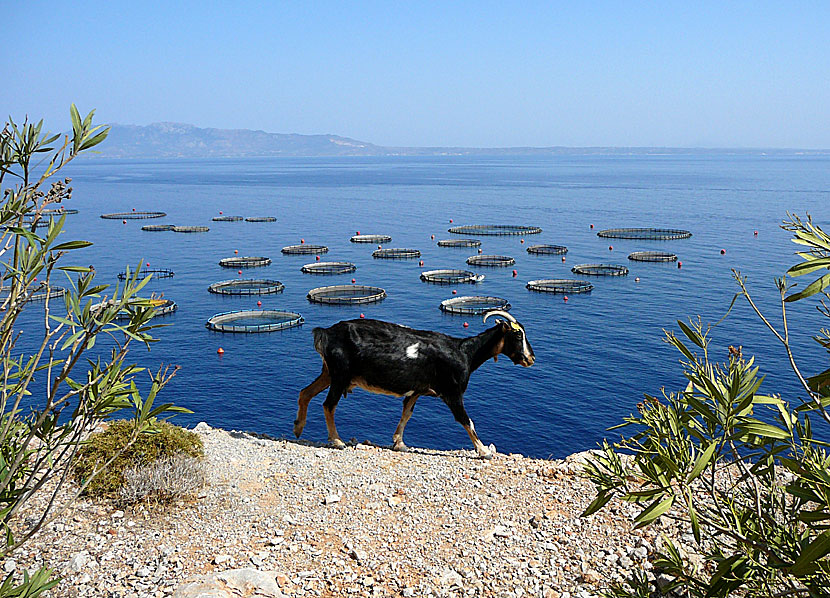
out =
column 408, row 407
column 309, row 392
column 330, row 404
column 460, row 414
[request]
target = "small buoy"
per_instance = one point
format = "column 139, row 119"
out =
column 235, row 251
column 466, row 325
column 35, row 280
column 239, row 271
column 357, row 232
column 433, row 236
column 563, row 258
column 362, row 315
column 637, row 279
column 123, row 222
column 450, row 220
column 302, row 240
column 353, row 281
column 220, row 212
column 515, row 273
column 756, row 233
column 148, row 264
column 133, row 209
column 679, row 264
column 379, row 247
column 479, row 250
column 522, row 241
column 454, row 292
column 317, row 257
column 565, row 298
column 610, row 248
column 592, row 226
column 421, row 263
column 723, row 251
column 259, row 303
column 220, row 350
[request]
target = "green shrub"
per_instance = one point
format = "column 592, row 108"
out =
column 168, row 441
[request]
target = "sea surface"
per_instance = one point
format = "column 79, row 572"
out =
column 596, row 354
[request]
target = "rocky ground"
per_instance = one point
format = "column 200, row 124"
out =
column 280, row 517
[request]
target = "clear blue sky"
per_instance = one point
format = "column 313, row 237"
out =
column 714, row 74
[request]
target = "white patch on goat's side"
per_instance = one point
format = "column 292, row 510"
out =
column 412, row 351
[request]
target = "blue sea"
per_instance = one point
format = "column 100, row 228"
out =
column 596, row 354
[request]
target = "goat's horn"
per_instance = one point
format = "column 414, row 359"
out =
column 499, row 312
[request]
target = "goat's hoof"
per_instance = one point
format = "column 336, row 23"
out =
column 400, row 446
column 486, row 455
column 298, row 429
column 337, row 443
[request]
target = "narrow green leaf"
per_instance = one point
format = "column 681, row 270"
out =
column 818, row 548
column 759, row 428
column 653, row 511
column 691, row 334
column 702, row 461
column 814, row 287
column 71, row 245
column 600, row 501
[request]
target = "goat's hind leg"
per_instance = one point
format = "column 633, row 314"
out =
column 309, row 392
column 460, row 414
column 408, row 407
column 329, row 405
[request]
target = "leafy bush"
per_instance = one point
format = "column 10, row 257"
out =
column 163, row 480
column 166, row 442
column 754, row 494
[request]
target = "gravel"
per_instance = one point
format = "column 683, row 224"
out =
column 362, row 521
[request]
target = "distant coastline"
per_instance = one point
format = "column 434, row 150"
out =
column 178, row 140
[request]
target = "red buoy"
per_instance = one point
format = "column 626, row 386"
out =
column 378, row 246
column 148, row 264
column 353, row 281
column 317, row 257
column 123, row 222
column 357, row 232
column 592, row 226
column 454, row 292
column 259, row 303
column 466, row 325
column 479, row 250
column 421, row 263
column 433, row 236
column 637, row 279
column 450, row 220
column 610, row 248
column 756, row 233
column 362, row 316
column 515, row 273
column 220, row 212
column 133, row 209
column 302, row 240
column 523, row 241
column 235, row 251
column 220, row 350
column 679, row 264
column 723, row 251
column 563, row 258
column 565, row 298
column 239, row 271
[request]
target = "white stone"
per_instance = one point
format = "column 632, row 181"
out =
column 143, row 572
column 77, row 562
column 9, row 566
column 331, row 499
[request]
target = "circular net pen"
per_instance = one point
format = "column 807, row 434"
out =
column 58, row 211
column 190, row 229
column 560, row 286
column 371, row 239
column 161, row 307
column 260, row 219
column 645, row 234
column 244, row 262
column 451, row 277
column 158, row 227
column 346, row 294
column 459, row 243
column 227, row 219
column 154, row 272
column 652, row 256
column 600, row 270
column 38, row 295
column 396, row 253
column 249, row 321
column 491, row 261
column 260, row 286
column 304, row 249
column 133, row 215
column 494, row 230
column 329, row 268
column 547, row 250
column 474, row 306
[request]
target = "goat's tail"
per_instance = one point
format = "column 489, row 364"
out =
column 321, row 340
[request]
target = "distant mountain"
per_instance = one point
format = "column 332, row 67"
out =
column 177, row 140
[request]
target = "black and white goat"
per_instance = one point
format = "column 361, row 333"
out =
column 396, row 360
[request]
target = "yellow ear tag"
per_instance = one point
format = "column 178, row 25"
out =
column 515, row 326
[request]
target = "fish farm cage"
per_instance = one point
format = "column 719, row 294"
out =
column 396, row 253
column 190, row 229
column 652, row 256
column 304, row 249
column 158, row 227
column 58, row 211
column 154, row 272
column 645, row 234
column 459, row 243
column 227, row 219
column 247, row 286
column 494, row 229
column 133, row 215
column 329, row 268
column 346, row 294
column 547, row 250
column 599, row 270
column 161, row 307
column 371, row 239
column 560, row 286
column 451, row 276
column 260, row 219
column 474, row 305
column 251, row 321
column 491, row 261
column 244, row 262
column 38, row 295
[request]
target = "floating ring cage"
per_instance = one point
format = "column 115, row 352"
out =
column 304, row 249
column 451, row 276
column 247, row 286
column 40, row 295
column 244, row 262
column 560, row 286
column 346, row 294
column 652, row 234
column 459, row 243
column 58, row 211
column 494, row 229
column 155, row 272
column 652, row 256
column 259, row 320
column 474, row 306
column 260, row 219
column 371, row 239
column 227, row 219
column 329, row 268
column 133, row 215
column 158, row 227
column 161, row 307
column 190, row 229
column 547, row 249
column 491, row 261
column 396, row 253
column 600, row 270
